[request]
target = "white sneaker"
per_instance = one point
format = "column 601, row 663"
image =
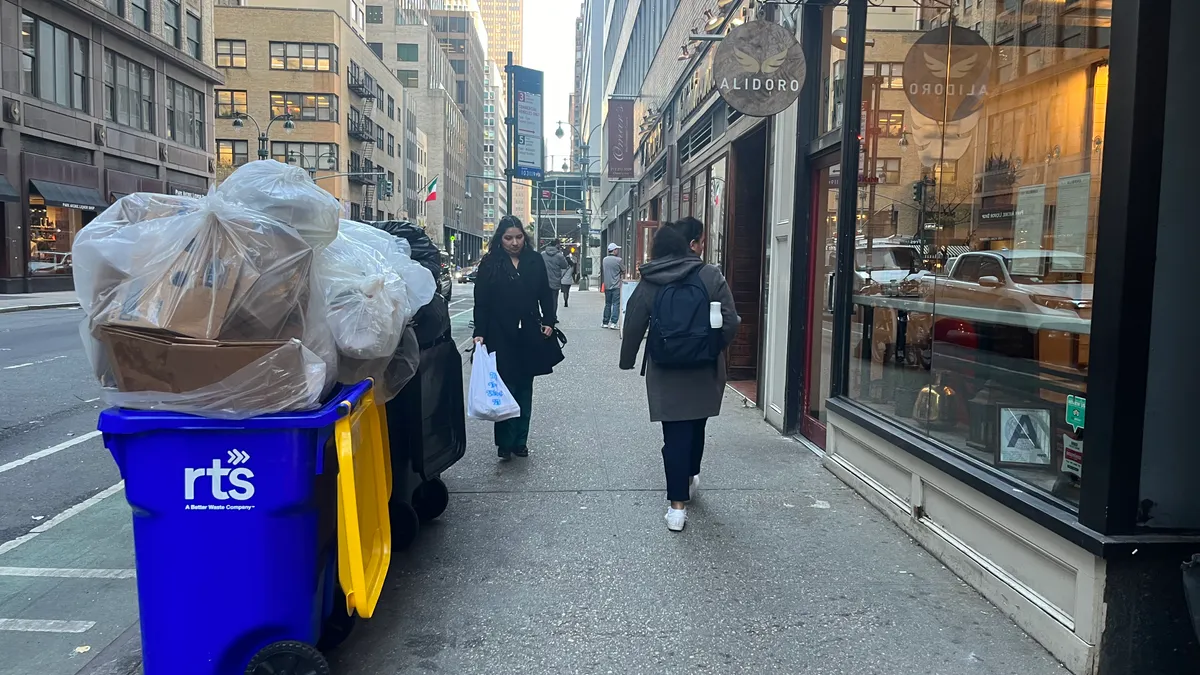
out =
column 613, row 326
column 604, row 325
column 694, row 487
column 676, row 519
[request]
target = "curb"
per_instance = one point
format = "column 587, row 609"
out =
column 28, row 308
column 123, row 656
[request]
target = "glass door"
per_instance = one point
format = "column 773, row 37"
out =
column 817, row 371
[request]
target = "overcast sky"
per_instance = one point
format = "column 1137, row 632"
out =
column 550, row 47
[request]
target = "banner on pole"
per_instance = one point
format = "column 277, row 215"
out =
column 620, row 138
column 527, row 151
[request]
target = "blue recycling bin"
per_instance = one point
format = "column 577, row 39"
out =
column 235, row 534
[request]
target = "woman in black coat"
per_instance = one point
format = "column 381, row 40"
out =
column 514, row 316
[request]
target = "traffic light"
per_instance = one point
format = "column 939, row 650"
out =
column 918, row 191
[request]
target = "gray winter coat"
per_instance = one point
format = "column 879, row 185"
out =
column 568, row 275
column 677, row 395
column 556, row 264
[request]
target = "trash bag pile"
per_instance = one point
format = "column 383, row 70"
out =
column 254, row 299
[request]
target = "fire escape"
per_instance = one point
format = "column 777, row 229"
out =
column 362, row 128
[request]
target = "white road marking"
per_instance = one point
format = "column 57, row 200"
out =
column 453, row 316
column 45, row 626
column 48, row 451
column 34, row 363
column 64, row 573
column 64, row 516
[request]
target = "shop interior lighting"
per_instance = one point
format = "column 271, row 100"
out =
column 713, row 22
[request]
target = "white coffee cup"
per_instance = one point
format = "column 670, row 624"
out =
column 714, row 315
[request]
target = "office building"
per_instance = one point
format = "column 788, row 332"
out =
column 97, row 100
column 346, row 105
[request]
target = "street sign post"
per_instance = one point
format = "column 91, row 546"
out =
column 527, row 145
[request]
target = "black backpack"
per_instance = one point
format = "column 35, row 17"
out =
column 680, row 334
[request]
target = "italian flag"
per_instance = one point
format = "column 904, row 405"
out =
column 431, row 190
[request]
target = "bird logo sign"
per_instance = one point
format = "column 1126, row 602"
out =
column 946, row 73
column 759, row 68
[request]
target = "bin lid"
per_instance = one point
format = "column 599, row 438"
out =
column 123, row 421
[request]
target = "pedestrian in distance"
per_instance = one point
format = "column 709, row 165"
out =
column 568, row 278
column 514, row 313
column 685, row 310
column 556, row 267
column 612, row 271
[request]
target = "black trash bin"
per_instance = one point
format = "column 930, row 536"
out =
column 427, row 428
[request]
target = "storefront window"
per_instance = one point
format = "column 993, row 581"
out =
column 52, row 230
column 716, row 208
column 975, row 260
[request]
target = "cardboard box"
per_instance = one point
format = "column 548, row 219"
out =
column 146, row 360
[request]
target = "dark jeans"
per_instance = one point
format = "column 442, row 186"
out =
column 566, row 292
column 514, row 433
column 683, row 448
column 612, row 304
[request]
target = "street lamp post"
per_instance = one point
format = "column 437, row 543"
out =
column 457, row 229
column 263, row 138
column 587, row 193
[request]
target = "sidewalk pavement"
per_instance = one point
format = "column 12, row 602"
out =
column 562, row 563
column 20, row 302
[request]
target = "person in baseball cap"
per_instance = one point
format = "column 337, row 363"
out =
column 612, row 270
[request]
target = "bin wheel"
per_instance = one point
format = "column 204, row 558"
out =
column 430, row 499
column 405, row 524
column 337, row 626
column 288, row 658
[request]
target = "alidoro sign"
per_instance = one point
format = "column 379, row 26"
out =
column 759, row 68
column 946, row 73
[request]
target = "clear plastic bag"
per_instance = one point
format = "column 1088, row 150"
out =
column 204, row 311
column 420, row 286
column 287, row 194
column 366, row 298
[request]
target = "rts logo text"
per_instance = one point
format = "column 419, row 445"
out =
column 238, row 479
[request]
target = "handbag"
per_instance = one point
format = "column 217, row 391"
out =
column 547, row 352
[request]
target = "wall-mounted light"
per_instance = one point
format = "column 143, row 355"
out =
column 684, row 55
column 713, row 21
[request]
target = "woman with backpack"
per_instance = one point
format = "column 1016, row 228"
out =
column 514, row 317
column 684, row 364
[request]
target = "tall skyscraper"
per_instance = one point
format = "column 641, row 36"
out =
column 504, row 20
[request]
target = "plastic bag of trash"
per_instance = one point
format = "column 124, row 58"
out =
column 175, row 305
column 366, row 298
column 390, row 374
column 287, row 194
column 421, row 283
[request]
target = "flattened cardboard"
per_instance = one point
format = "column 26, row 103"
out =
column 144, row 360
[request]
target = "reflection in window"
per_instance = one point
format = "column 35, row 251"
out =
column 230, row 103
column 231, row 53
column 232, row 152
column 972, row 306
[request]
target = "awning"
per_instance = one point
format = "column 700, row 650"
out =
column 8, row 193
column 955, row 251
column 114, row 196
column 69, row 196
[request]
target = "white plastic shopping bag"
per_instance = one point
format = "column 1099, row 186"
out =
column 488, row 398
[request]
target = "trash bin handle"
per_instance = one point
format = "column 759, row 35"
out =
column 353, row 396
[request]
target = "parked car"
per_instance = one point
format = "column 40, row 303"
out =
column 1031, row 282
column 445, row 279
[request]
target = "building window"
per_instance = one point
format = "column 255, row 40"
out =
column 311, row 156
column 128, row 92
column 230, row 103
column 303, row 56
column 890, row 123
column 53, row 63
column 391, row 108
column 946, row 173
column 193, row 35
column 139, row 13
column 185, row 114
column 407, row 52
column 171, row 22
column 116, row 7
column 887, row 170
column 459, row 66
column 391, row 145
column 307, row 107
column 231, row 53
column 376, row 48
column 408, row 78
column 374, row 13
column 379, row 98
column 232, row 152
column 891, row 74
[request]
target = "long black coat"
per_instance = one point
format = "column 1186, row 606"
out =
column 511, row 306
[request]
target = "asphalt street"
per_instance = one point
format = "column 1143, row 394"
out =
column 67, row 587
